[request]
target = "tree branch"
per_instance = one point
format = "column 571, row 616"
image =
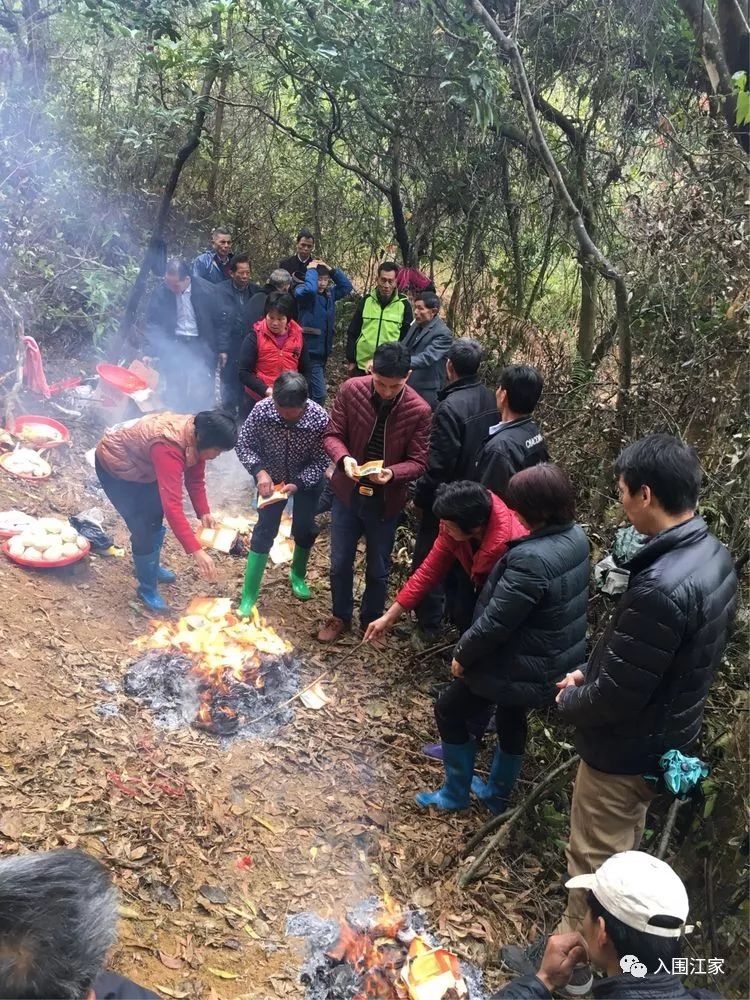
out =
column 588, row 248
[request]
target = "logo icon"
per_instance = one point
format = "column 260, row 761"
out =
column 631, row 964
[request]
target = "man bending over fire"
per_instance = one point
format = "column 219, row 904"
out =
column 142, row 468
column 281, row 445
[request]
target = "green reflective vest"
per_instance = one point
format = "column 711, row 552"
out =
column 380, row 325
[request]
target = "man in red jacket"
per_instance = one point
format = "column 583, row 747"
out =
column 377, row 417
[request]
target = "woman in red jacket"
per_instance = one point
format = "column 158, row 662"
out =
column 475, row 528
column 274, row 345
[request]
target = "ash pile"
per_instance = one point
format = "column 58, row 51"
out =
column 380, row 951
column 216, row 672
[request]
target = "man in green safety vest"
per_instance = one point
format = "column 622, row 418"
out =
column 382, row 316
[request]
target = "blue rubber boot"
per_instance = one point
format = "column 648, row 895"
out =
column 146, row 570
column 458, row 761
column 495, row 792
column 163, row 575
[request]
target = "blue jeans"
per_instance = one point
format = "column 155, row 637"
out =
column 316, row 382
column 348, row 524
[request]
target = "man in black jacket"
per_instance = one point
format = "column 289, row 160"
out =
column 516, row 442
column 296, row 265
column 181, row 335
column 465, row 412
column 233, row 307
column 636, row 908
column 645, row 686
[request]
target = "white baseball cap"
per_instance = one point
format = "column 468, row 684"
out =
column 636, row 887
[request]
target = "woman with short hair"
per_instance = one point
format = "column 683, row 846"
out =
column 529, row 630
column 142, row 468
column 274, row 345
column 282, row 442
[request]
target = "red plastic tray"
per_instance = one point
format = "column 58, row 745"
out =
column 19, row 423
column 42, row 563
column 22, row 475
column 120, row 378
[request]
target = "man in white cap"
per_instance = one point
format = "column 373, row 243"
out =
column 636, row 909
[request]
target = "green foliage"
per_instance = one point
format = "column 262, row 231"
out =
column 742, row 114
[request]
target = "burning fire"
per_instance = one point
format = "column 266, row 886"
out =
column 395, row 962
column 224, row 649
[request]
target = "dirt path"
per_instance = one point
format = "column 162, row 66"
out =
column 316, row 818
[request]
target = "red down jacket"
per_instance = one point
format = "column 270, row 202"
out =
column 407, row 432
column 502, row 527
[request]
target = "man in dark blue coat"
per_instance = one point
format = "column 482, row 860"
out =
column 316, row 300
column 181, row 319
column 213, row 265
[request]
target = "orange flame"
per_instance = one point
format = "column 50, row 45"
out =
column 223, row 648
column 396, row 963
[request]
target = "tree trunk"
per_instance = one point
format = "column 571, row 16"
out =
column 513, row 215
column 213, row 178
column 589, row 250
column 707, row 35
column 397, row 208
column 35, row 29
column 546, row 257
column 127, row 323
column 317, row 185
column 587, row 317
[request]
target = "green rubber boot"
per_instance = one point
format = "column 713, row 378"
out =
column 256, row 565
column 300, row 559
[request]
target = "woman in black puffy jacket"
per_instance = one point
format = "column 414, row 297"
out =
column 529, row 630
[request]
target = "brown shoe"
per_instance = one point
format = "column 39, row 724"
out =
column 333, row 629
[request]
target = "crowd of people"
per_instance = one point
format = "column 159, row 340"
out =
column 499, row 556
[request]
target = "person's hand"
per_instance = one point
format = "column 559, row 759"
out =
column 368, row 367
column 289, row 489
column 456, row 669
column 351, row 367
column 383, row 624
column 205, row 565
column 269, row 391
column 222, row 360
column 573, row 679
column 382, row 477
column 264, row 484
column 208, row 521
column 376, row 629
column 562, row 954
column 350, row 464
column 312, row 263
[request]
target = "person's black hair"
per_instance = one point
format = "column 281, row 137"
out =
column 466, row 356
column 279, row 302
column 542, row 495
column 467, row 504
column 665, row 464
column 290, row 390
column 305, row 234
column 215, row 429
column 524, row 385
column 58, row 920
column 179, row 267
column 430, row 299
column 650, row 949
column 392, row 360
column 323, row 270
column 388, row 265
column 239, row 258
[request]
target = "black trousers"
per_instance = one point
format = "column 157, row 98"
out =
column 189, row 370
column 457, row 704
column 430, row 611
column 139, row 505
column 304, row 531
